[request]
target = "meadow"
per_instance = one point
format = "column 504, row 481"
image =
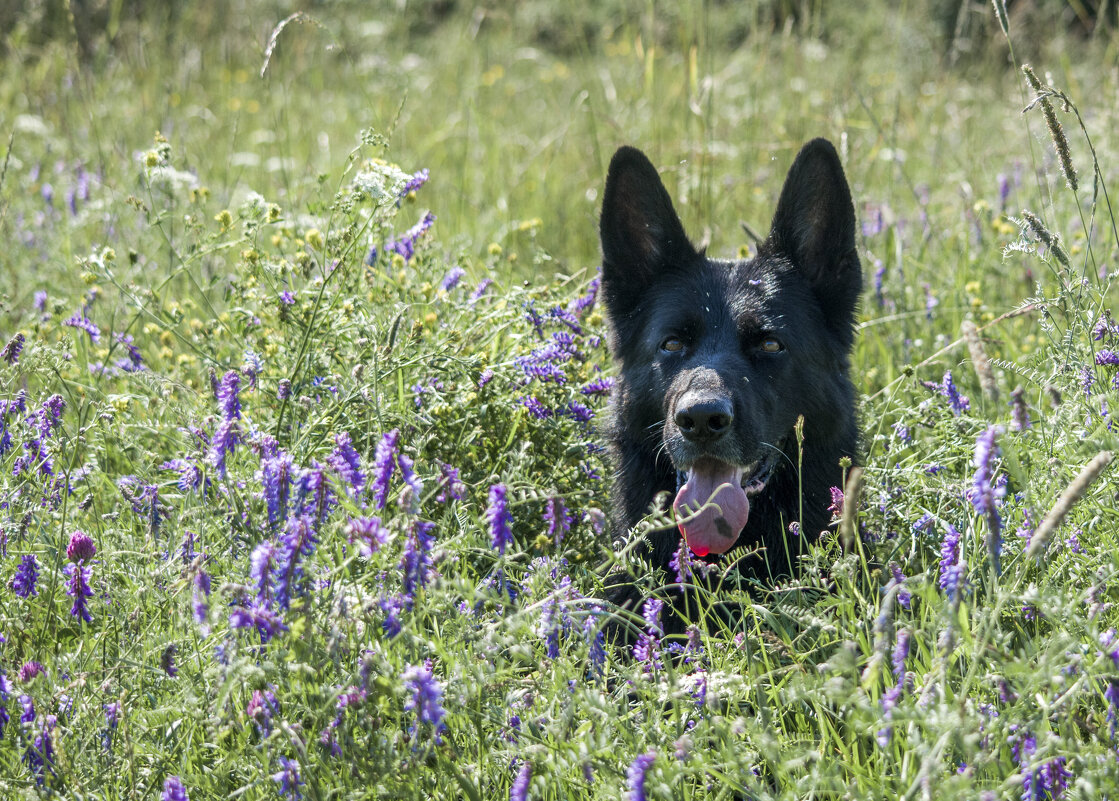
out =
column 302, row 369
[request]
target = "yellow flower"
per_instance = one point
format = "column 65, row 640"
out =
column 494, row 249
column 314, row 238
column 224, row 219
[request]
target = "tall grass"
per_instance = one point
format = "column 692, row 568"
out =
column 301, row 491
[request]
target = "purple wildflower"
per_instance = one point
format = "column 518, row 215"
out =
column 549, row 628
column 519, row 790
column 413, row 487
column 49, row 416
column 27, row 715
column 578, row 412
column 368, row 533
column 949, row 559
column 959, row 403
column 40, row 300
column 499, row 519
column 199, row 605
column 276, row 472
column 267, row 623
column 26, row 576
column 30, row 671
column 897, row 579
column 600, row 386
column 405, row 245
column 297, row 541
column 81, row 547
column 173, row 790
column 535, row 407
column 636, row 776
column 135, row 360
column 557, row 518
column 416, row 562
column 384, row 461
column 485, row 377
column 283, row 389
column 11, row 351
column 480, row 290
column 261, row 708
column 836, row 506
column 1111, row 695
column 39, row 756
column 112, row 720
column 452, row 278
column 985, row 493
column 450, row 485
column 417, row 180
column 288, row 778
column 252, row 365
column 1108, row 357
column 80, row 320
column 648, row 643
column 78, row 588
column 346, row 462
column 392, row 607
column 190, row 475
column 262, row 562
column 1019, row 412
column 587, row 301
column 167, row 660
column 425, row 696
column 1087, row 380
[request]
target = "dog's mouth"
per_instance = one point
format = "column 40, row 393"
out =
column 712, row 503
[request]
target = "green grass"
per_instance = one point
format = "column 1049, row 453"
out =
column 241, row 232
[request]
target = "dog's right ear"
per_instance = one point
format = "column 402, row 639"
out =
column 641, row 234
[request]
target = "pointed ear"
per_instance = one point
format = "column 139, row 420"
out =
column 641, row 234
column 814, row 227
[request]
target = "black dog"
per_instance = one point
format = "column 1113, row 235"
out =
column 718, row 359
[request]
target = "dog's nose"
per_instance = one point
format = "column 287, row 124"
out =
column 704, row 419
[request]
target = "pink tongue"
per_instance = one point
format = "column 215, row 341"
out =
column 715, row 488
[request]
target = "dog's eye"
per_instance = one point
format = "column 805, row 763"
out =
column 672, row 345
column 772, row 345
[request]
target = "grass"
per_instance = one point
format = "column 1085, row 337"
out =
column 286, row 598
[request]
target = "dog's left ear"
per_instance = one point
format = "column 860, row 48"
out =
column 814, row 227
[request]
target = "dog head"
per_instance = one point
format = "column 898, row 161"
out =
column 719, row 358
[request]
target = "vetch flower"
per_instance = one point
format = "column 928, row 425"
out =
column 347, row 463
column 636, row 776
column 519, row 790
column 173, row 790
column 11, row 351
column 985, row 492
column 167, row 660
column 112, row 720
column 499, row 519
column 557, row 518
column 384, row 461
column 26, row 577
column 30, row 670
column 267, row 623
column 416, row 561
column 79, row 320
column 297, row 541
column 368, row 533
column 647, row 647
column 424, row 696
column 78, row 588
column 288, row 778
column 261, row 707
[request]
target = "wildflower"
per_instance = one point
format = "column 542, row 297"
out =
column 587, row 301
column 392, row 607
column 557, row 518
column 297, row 541
column 252, row 366
column 1019, row 413
column 267, row 623
column 452, row 278
column 199, row 605
column 190, row 475
column 450, row 485
column 49, row 416
column 519, row 790
column 931, row 303
column 897, row 579
column 29, row 671
column 600, row 386
column 260, row 709
column 1111, row 695
column 288, row 778
column 949, row 559
column 648, row 643
column 535, row 407
column 167, row 660
column 346, row 462
column 26, row 577
column 485, row 377
column 40, row 300
column 283, row 389
column 173, row 790
column 416, row 561
column 384, row 461
column 369, row 534
column 406, row 244
column 78, row 588
column 1108, row 357
column 28, row 713
column 480, row 290
column 11, row 351
column 39, row 756
column 636, row 775
column 80, row 320
column 986, row 493
column 262, row 561
column 5, row 693
column 413, row 487
column 276, row 474
column 549, row 628
column 958, row 403
column 112, row 720
column 414, row 183
column 499, row 519
column 425, row 696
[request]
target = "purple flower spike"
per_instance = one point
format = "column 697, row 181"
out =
column 636, row 776
column 384, row 462
column 499, row 519
column 425, row 696
column 173, row 790
column 27, row 575
column 519, row 790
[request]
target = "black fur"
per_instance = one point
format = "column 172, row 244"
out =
column 801, row 289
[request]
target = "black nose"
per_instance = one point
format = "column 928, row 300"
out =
column 703, row 419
